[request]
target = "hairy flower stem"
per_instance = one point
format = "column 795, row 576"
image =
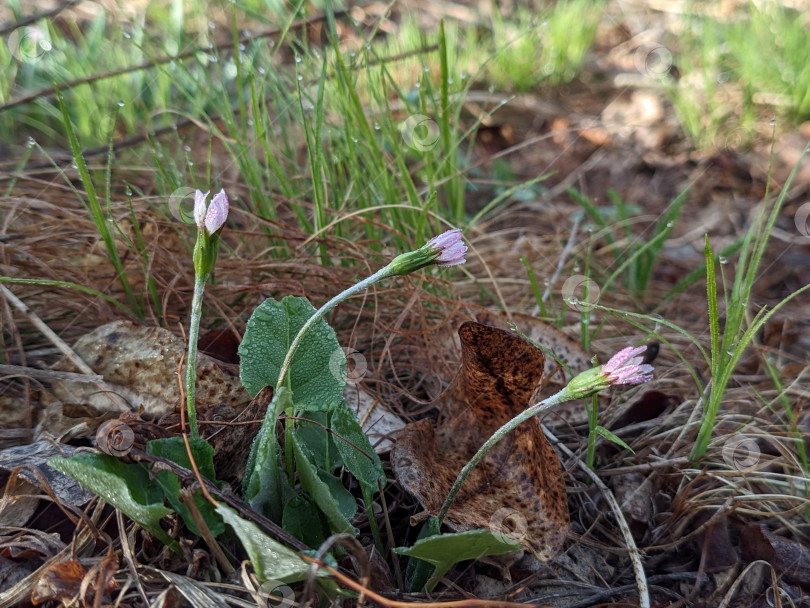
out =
column 510, row 426
column 191, row 361
column 321, row 312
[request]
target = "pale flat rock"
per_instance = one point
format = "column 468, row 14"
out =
column 140, row 364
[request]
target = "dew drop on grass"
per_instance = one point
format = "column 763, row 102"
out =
column 352, row 53
column 572, row 300
column 297, row 59
column 242, row 47
column 190, row 163
column 300, row 78
column 723, row 259
column 417, row 84
column 425, row 69
column 121, row 104
column 31, row 142
column 546, row 282
column 261, row 71
column 187, row 148
column 464, row 75
column 212, row 25
column 127, row 35
column 376, row 126
column 128, row 191
column 722, row 77
column 450, row 80
column 773, row 121
column 670, row 224
column 354, row 139
column 576, row 267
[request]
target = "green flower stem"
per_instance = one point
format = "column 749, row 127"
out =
column 322, row 311
column 533, row 410
column 593, row 421
column 299, row 337
column 191, row 362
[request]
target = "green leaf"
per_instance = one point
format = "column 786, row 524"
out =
column 271, row 560
column 174, row 449
column 602, row 431
column 355, row 448
column 444, row 550
column 302, row 519
column 126, row 487
column 318, row 371
column 312, row 430
column 328, row 495
column 419, row 572
column 262, row 485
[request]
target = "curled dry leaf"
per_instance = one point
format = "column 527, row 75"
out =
column 62, row 582
column 518, row 489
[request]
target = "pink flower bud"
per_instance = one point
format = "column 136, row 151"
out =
column 625, row 367
column 211, row 217
column 451, row 249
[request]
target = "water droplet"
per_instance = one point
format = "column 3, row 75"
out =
column 212, row 25
column 297, row 59
column 576, row 267
column 722, row 77
column 187, row 148
column 417, row 84
column 450, row 80
column 573, row 300
column 464, row 75
column 128, row 191
column 352, row 53
column 723, row 259
column 546, row 282
column 670, row 224
column 121, row 104
column 127, row 35
column 190, row 163
column 300, row 78
column 31, row 142
column 354, row 139
column 376, row 126
column 425, row 69
column 261, row 71
column 242, row 47
column 491, row 88
column 773, row 121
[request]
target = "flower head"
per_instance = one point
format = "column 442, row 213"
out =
column 447, row 249
column 210, row 217
column 625, row 367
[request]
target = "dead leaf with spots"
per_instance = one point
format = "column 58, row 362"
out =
column 520, row 481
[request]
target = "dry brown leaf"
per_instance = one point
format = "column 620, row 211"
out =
column 521, row 480
column 62, row 582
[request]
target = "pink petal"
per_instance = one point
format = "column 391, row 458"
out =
column 199, row 207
